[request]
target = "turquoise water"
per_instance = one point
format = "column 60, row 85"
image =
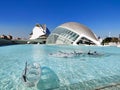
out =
column 80, row 72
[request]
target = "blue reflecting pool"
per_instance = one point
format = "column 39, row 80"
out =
column 62, row 67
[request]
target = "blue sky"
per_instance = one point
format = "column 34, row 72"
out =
column 18, row 17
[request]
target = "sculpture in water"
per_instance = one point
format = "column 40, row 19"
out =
column 31, row 74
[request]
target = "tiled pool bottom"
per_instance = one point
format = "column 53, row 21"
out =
column 81, row 72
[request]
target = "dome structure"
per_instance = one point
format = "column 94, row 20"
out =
column 72, row 33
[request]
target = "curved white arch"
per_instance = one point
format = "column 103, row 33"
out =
column 82, row 31
column 91, row 39
column 37, row 32
column 75, row 29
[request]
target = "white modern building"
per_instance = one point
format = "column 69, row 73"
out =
column 39, row 34
column 38, row 31
column 72, row 33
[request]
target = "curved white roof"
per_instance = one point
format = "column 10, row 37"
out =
column 79, row 29
column 37, row 32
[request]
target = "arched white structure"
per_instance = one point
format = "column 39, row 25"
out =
column 72, row 33
column 38, row 31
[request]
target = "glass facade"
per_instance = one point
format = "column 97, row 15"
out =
column 72, row 33
column 84, row 40
column 62, row 36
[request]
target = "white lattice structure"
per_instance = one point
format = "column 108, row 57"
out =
column 72, row 33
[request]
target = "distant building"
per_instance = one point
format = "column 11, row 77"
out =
column 112, row 41
column 8, row 37
column 72, row 33
column 39, row 33
column 3, row 36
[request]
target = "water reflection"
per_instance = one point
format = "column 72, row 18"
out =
column 49, row 80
